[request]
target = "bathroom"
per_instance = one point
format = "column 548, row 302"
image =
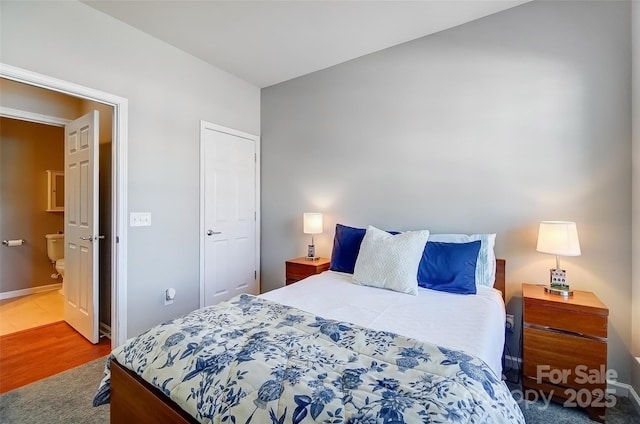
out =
column 31, row 168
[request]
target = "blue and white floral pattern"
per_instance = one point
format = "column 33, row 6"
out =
column 251, row 360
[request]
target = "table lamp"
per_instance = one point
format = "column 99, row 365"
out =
column 312, row 224
column 558, row 238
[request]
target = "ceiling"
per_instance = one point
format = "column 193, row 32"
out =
column 267, row 42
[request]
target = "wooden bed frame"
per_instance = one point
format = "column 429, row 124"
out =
column 133, row 400
column 500, row 282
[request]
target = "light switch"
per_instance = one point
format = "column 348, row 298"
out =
column 140, row 219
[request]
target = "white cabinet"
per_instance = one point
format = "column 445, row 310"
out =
column 55, row 191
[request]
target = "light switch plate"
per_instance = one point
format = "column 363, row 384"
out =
column 140, row 219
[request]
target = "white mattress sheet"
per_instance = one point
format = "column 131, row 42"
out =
column 471, row 323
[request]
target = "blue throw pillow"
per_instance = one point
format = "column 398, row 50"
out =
column 346, row 246
column 449, row 267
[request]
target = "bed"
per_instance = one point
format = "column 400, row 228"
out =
column 353, row 376
column 473, row 324
column 353, row 345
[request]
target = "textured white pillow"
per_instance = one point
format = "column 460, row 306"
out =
column 390, row 262
column 486, row 263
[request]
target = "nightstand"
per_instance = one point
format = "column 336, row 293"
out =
column 299, row 268
column 564, row 344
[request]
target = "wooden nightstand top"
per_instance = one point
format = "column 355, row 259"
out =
column 582, row 301
column 303, row 261
column 300, row 268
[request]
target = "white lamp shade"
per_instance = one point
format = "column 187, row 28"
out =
column 558, row 238
column 312, row 223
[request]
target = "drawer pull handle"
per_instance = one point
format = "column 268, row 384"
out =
column 571, row 333
column 566, row 332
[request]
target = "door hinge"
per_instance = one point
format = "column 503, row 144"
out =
column 117, row 239
column 255, row 275
column 255, row 157
column 255, row 216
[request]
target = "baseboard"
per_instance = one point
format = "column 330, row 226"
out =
column 512, row 362
column 635, row 398
column 625, row 390
column 31, row 290
column 635, row 395
column 620, row 389
column 105, row 330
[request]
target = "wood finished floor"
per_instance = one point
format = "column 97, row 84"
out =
column 31, row 355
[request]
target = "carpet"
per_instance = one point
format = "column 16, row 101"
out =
column 60, row 399
column 536, row 412
column 623, row 412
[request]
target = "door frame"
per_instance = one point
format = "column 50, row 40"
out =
column 204, row 125
column 119, row 188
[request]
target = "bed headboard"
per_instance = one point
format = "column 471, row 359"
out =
column 500, row 277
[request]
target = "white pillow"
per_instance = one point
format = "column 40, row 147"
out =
column 486, row 263
column 390, row 262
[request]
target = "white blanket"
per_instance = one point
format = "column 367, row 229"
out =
column 471, row 323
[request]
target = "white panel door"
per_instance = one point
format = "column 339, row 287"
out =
column 229, row 225
column 81, row 226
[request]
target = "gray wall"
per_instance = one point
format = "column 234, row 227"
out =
column 492, row 126
column 169, row 92
column 635, row 329
column 27, row 151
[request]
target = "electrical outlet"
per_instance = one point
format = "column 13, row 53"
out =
column 510, row 323
column 169, row 295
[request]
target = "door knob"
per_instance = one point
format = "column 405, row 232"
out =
column 98, row 237
column 211, row 232
column 88, row 238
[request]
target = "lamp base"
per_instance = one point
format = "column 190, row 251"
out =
column 557, row 291
column 558, row 277
column 558, row 283
column 311, row 253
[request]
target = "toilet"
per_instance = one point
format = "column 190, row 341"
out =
column 60, row 267
column 55, row 251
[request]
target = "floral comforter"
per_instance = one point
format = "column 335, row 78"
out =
column 251, row 360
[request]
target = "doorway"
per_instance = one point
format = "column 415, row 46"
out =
column 118, row 195
column 42, row 204
column 30, row 154
column 229, row 219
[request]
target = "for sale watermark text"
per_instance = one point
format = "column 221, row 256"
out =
column 581, row 375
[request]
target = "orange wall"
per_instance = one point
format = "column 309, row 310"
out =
column 27, row 150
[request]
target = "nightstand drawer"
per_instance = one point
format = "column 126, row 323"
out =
column 299, row 268
column 298, row 271
column 557, row 351
column 563, row 319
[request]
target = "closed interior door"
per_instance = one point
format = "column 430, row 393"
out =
column 81, row 226
column 229, row 215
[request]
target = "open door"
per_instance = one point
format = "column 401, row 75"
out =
column 81, row 226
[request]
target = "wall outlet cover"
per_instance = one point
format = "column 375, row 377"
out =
column 510, row 322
